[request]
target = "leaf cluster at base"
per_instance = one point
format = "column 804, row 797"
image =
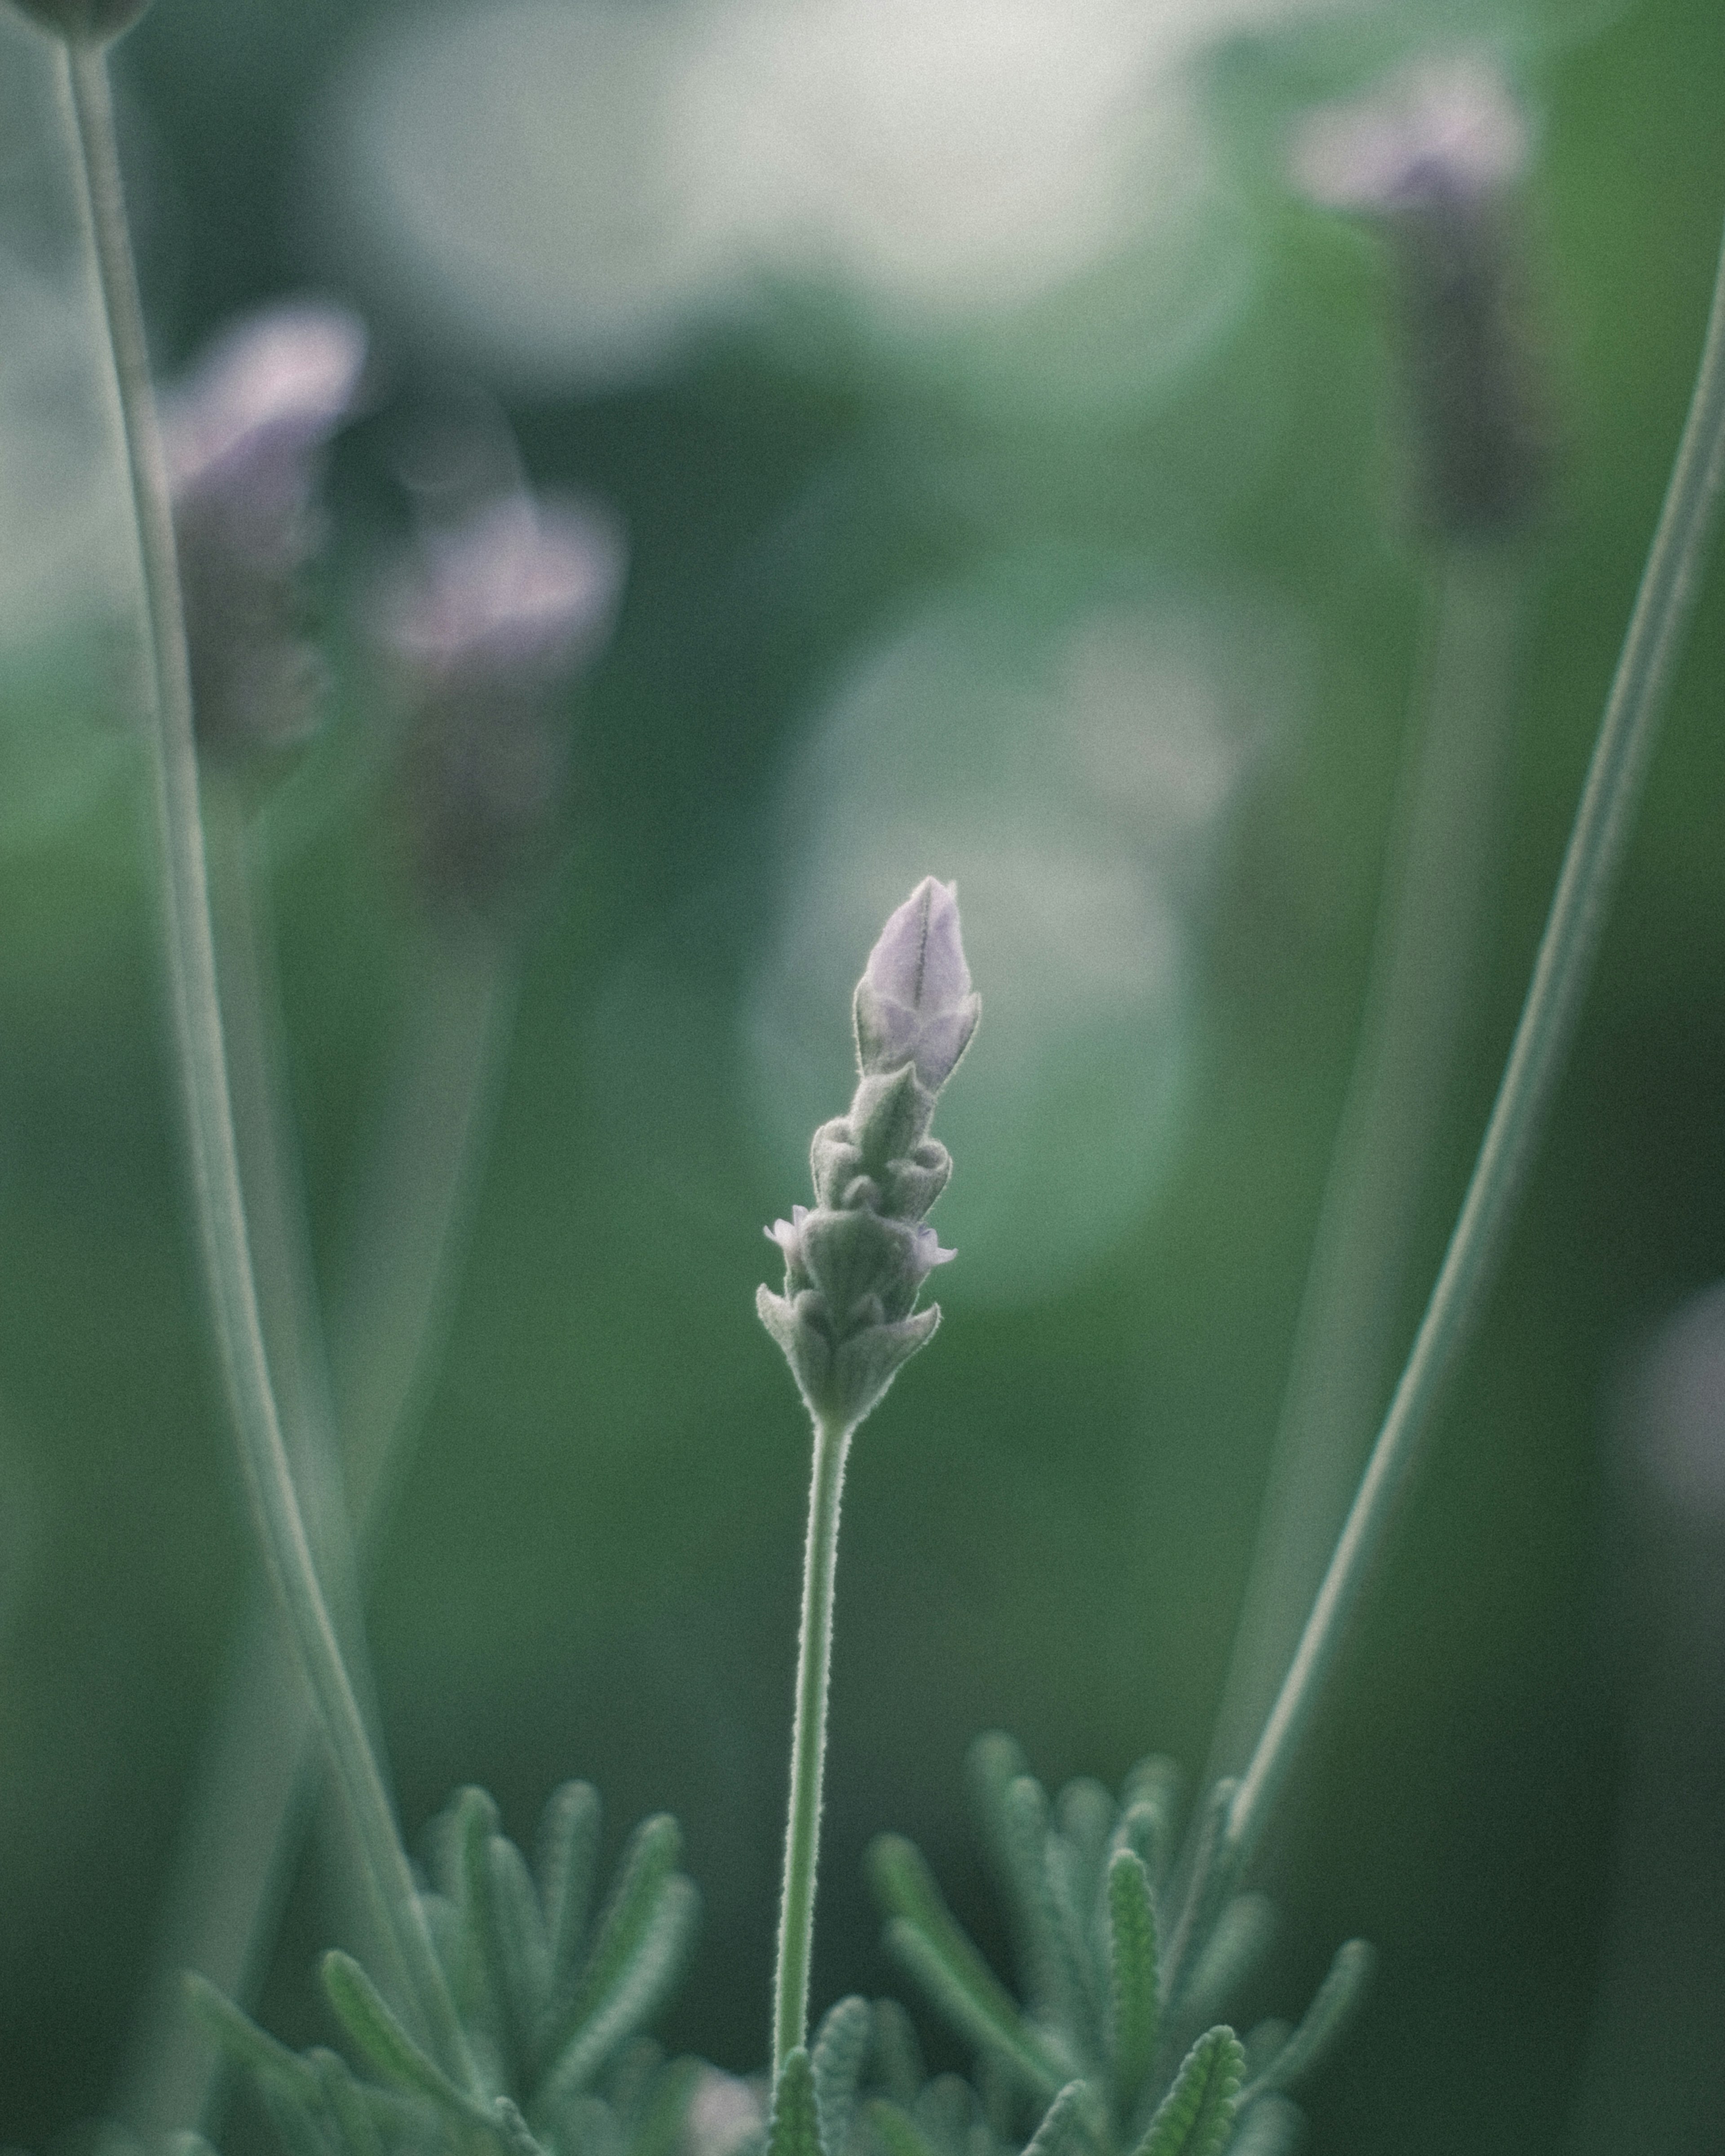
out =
column 552, row 2000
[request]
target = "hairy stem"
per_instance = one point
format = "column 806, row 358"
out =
column 1441, row 854
column 203, row 1074
column 808, row 1744
column 1663, row 605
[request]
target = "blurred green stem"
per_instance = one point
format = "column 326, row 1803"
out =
column 203, row 1061
column 1668, row 586
column 253, row 1795
column 808, row 1743
column 1439, row 859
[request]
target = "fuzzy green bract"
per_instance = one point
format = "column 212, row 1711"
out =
column 553, row 2001
column 1125, row 1960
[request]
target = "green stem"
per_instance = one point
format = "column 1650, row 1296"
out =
column 1663, row 605
column 1441, row 850
column 252, row 1799
column 808, row 1744
column 201, row 1056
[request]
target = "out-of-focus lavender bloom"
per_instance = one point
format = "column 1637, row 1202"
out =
column 243, row 438
column 1434, row 156
column 914, row 1003
column 85, row 21
column 489, row 629
column 1441, row 132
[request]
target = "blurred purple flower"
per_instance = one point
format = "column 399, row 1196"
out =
column 914, row 1003
column 1433, row 157
column 488, row 630
column 1443, row 131
column 243, row 437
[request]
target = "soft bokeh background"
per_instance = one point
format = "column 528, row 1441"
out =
column 1010, row 469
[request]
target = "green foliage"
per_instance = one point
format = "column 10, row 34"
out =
column 1125, row 1959
column 553, row 2005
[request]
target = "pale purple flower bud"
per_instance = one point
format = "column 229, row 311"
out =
column 788, row 1234
column 914, row 1003
column 856, row 1262
column 929, row 1253
column 489, row 630
column 243, row 439
column 1433, row 157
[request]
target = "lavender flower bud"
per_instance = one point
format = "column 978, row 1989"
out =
column 85, row 21
column 488, row 632
column 243, row 439
column 914, row 1003
column 856, row 1263
column 1433, row 158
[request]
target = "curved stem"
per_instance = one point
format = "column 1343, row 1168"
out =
column 1443, row 846
column 203, row 1073
column 808, row 1744
column 1561, row 972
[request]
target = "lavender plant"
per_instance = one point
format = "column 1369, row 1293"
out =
column 498, row 2009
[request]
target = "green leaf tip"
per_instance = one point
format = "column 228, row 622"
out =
column 926, row 1938
column 1062, row 2131
column 1337, row 2001
column 1134, row 1992
column 795, row 2126
column 1196, row 2116
column 372, row 2023
column 839, row 2052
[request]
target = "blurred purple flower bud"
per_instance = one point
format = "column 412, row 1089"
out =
column 1434, row 156
column 1438, row 133
column 243, row 438
column 489, row 630
column 85, row 21
column 914, row 1003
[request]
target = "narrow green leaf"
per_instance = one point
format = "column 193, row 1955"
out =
column 248, row 2047
column 1052, row 1979
column 304, row 2129
column 898, row 2056
column 513, row 2131
column 795, row 2126
column 1242, row 1935
column 1270, row 2126
column 459, row 1839
column 355, row 2123
column 1062, row 2131
column 945, row 2111
column 1194, row 2117
column 838, row 2055
column 511, row 1932
column 661, row 2123
column 894, row 2129
column 923, row 1934
column 637, row 1954
column 1213, row 1871
column 569, row 1859
column 1338, row 2000
column 1084, row 1813
column 1072, row 1893
column 370, row 2020
column 1134, row 1998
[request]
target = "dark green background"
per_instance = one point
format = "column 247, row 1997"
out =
column 594, row 1567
